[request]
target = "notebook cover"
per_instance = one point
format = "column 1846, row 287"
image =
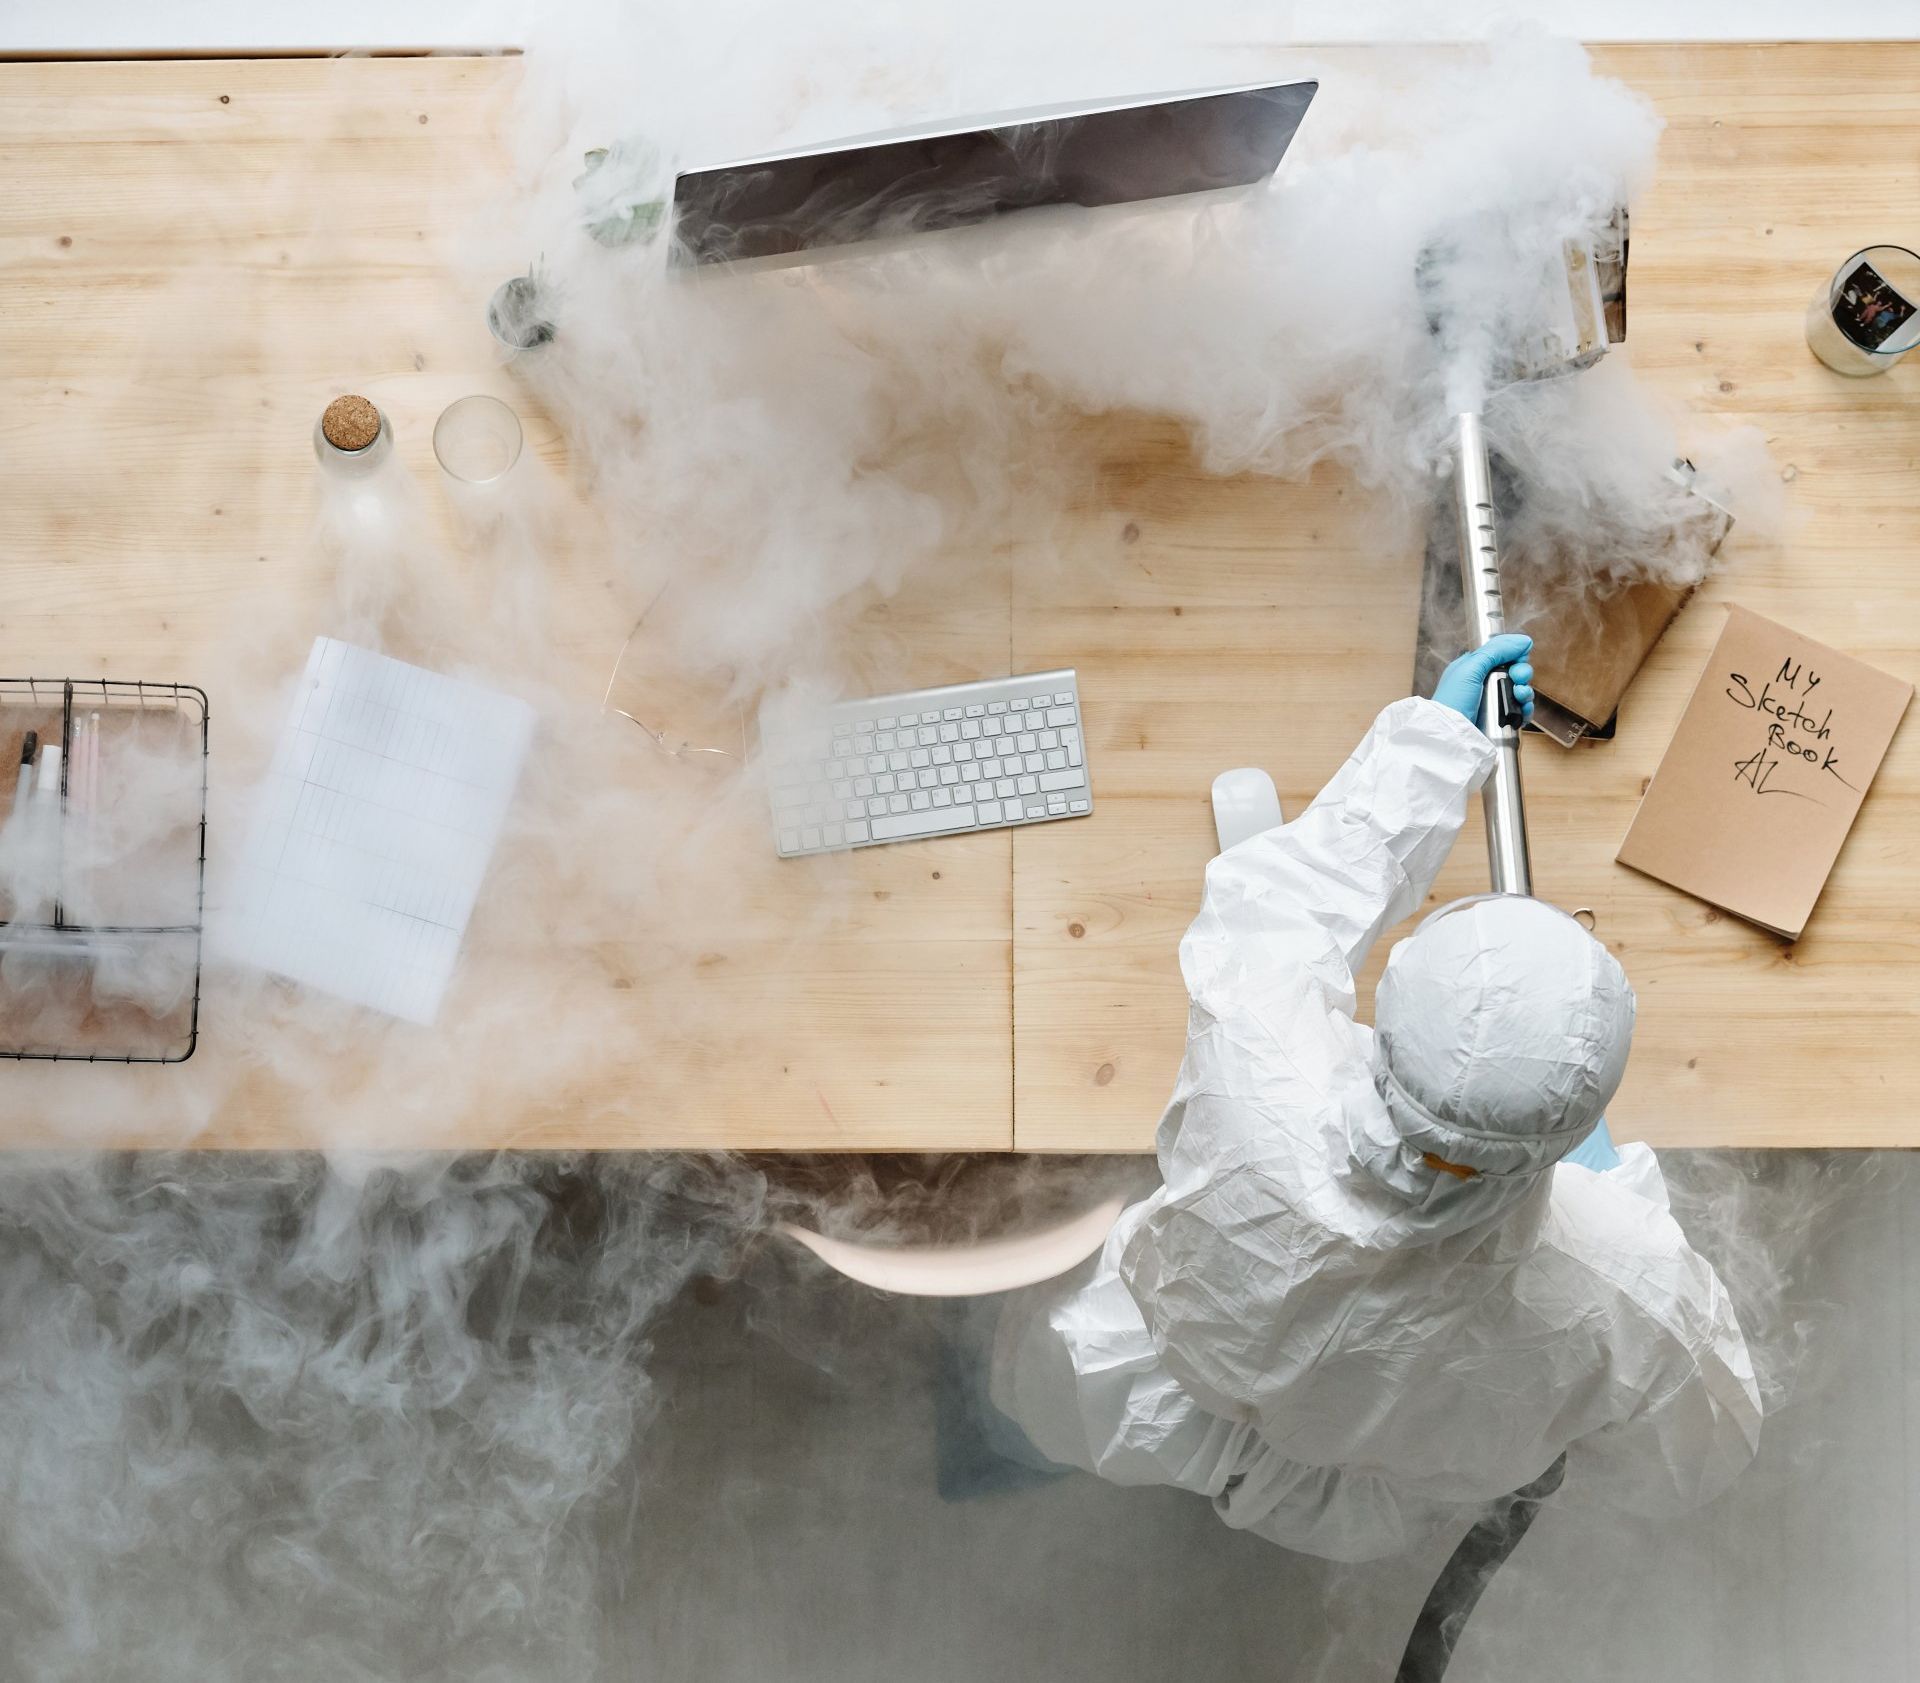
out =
column 1765, row 773
column 1587, row 653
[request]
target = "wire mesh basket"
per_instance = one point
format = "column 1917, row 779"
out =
column 103, row 875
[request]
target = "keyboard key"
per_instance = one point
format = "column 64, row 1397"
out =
column 1005, row 789
column 876, row 806
column 949, row 733
column 1034, row 762
column 959, row 754
column 992, row 727
column 970, row 730
column 919, row 823
column 789, row 841
column 996, row 707
column 863, row 786
column 884, row 783
column 943, row 797
column 919, row 757
column 863, row 744
column 1029, row 786
column 1059, row 715
column 810, row 838
column 876, row 762
column 1065, row 698
column 910, row 719
column 1028, row 743
column 1056, row 806
column 858, row 831
column 883, row 741
column 1070, row 740
column 950, row 713
column 929, row 735
column 1052, row 780
column 1036, row 809
column 888, row 724
column 843, row 791
column 1056, row 759
column 949, row 774
column 989, row 812
column 976, row 711
column 833, row 836
column 843, row 730
column 854, row 809
column 921, row 800
column 1077, row 806
column 896, row 803
column 970, row 773
column 1049, row 739
column 897, row 760
column 929, row 777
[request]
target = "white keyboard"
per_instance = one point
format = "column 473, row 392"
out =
column 934, row 762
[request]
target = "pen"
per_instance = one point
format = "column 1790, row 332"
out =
column 28, row 745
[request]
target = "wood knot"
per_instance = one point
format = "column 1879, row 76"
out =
column 1103, row 1075
column 1076, row 930
column 1130, row 533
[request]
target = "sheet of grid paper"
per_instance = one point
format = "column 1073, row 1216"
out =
column 380, row 814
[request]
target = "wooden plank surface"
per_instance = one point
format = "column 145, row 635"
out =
column 186, row 278
column 1250, row 623
column 194, row 257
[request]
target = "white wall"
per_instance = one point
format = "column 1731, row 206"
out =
column 109, row 26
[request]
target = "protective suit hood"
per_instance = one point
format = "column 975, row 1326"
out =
column 1340, row 1346
column 1501, row 1030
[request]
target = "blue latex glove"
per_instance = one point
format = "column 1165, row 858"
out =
column 1465, row 680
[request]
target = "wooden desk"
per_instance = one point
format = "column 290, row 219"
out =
column 196, row 255
column 1222, row 605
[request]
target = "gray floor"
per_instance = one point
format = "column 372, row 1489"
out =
column 792, row 1531
column 258, row 1425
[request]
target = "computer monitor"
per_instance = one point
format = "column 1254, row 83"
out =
column 955, row 174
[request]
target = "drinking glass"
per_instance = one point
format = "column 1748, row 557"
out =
column 477, row 440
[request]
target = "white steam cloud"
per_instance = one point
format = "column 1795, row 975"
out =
column 273, row 1416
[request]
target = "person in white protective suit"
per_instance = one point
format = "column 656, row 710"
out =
column 1371, row 1295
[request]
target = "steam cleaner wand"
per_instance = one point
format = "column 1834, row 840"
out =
column 1501, row 797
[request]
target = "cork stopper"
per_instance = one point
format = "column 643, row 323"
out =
column 350, row 423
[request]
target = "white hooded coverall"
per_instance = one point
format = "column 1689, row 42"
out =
column 1340, row 1345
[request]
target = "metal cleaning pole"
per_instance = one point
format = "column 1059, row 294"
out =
column 1500, row 715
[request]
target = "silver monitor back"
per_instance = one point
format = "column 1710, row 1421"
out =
column 952, row 175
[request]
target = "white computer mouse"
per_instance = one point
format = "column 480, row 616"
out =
column 1245, row 802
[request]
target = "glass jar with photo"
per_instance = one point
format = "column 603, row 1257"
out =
column 1867, row 316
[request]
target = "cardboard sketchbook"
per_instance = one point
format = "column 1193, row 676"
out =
column 1765, row 773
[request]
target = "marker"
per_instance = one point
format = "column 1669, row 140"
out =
column 28, row 745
